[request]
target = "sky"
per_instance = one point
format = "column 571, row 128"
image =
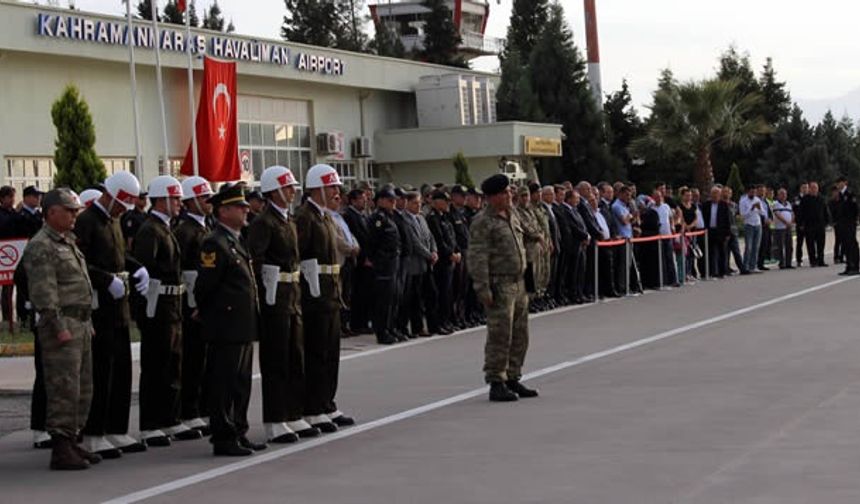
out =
column 813, row 43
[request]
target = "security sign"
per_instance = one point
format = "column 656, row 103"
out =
column 10, row 256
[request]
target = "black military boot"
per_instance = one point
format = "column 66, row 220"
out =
column 521, row 390
column 64, row 457
column 500, row 393
column 92, row 458
column 230, row 449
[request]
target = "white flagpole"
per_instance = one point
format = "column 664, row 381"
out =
column 138, row 162
column 157, row 40
column 194, row 152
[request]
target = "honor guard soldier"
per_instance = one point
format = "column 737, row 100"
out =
column 111, row 271
column 226, row 292
column 320, row 300
column 498, row 265
column 385, row 255
column 274, row 248
column 160, row 319
column 190, row 233
column 61, row 294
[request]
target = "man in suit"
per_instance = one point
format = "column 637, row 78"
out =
column 813, row 211
column 362, row 278
column 567, row 253
column 419, row 262
column 611, row 276
column 449, row 255
column 715, row 213
column 580, row 242
column 847, row 224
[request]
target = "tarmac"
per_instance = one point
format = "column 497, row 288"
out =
column 738, row 390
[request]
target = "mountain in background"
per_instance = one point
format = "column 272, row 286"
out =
column 848, row 104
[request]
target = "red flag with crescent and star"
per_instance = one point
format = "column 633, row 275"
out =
column 217, row 126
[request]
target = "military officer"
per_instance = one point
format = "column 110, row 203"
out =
column 160, row 319
column 531, row 225
column 385, row 243
column 226, row 292
column 134, row 218
column 846, row 223
column 460, row 282
column 190, row 232
column 61, row 294
column 321, row 305
column 498, row 264
column 443, row 271
column 274, row 247
column 112, row 271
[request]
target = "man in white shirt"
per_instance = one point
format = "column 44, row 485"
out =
column 751, row 212
column 666, row 214
column 783, row 216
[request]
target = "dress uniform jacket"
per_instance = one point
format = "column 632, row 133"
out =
column 360, row 306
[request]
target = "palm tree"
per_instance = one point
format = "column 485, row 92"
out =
column 693, row 117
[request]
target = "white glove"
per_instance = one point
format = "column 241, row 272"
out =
column 142, row 285
column 116, row 288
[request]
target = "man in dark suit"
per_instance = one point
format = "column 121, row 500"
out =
column 813, row 211
column 581, row 240
column 847, row 225
column 566, row 256
column 443, row 271
column 716, row 215
column 362, row 278
column 229, row 307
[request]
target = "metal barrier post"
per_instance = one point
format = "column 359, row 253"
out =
column 682, row 275
column 596, row 277
column 707, row 256
column 627, row 267
column 660, row 265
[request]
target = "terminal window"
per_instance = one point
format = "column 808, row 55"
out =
column 272, row 144
column 39, row 171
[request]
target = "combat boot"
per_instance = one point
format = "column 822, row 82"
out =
column 521, row 390
column 92, row 458
column 64, row 457
column 499, row 392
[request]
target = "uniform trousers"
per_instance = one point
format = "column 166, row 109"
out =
column 111, row 355
column 385, row 296
column 815, row 238
column 414, row 303
column 459, row 286
column 848, row 232
column 37, row 399
column 282, row 366
column 193, row 397
column 160, row 371
column 442, row 274
column 229, row 377
column 68, row 378
column 800, row 234
column 322, row 359
column 507, row 331
column 361, row 305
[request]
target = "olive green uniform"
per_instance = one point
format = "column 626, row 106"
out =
column 61, row 295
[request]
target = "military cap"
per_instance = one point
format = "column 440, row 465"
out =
column 233, row 195
column 439, row 195
column 408, row 188
column 364, row 186
column 495, row 184
column 475, row 191
column 253, row 195
column 32, row 191
column 399, row 192
column 384, row 192
column 458, row 189
column 63, row 197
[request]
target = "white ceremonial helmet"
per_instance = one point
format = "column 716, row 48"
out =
column 88, row 196
column 165, row 186
column 194, row 187
column 123, row 187
column 322, row 175
column 276, row 177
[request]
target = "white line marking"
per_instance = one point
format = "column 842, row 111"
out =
column 404, row 415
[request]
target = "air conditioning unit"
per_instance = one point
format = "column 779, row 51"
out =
column 361, row 148
column 327, row 143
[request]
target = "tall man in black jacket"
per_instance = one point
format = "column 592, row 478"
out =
column 362, row 277
column 847, row 225
column 717, row 219
column 443, row 271
column 813, row 211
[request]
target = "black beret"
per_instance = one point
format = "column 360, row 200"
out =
column 495, row 184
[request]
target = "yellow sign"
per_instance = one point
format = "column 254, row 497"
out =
column 539, row 146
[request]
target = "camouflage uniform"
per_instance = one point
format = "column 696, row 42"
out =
column 531, row 226
column 61, row 295
column 543, row 261
column 497, row 256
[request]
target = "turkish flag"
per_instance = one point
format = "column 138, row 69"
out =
column 217, row 131
column 181, row 5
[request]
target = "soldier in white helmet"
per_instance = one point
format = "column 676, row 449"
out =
column 190, row 233
column 274, row 248
column 321, row 305
column 113, row 272
column 160, row 319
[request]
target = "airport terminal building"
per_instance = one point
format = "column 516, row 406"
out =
column 375, row 119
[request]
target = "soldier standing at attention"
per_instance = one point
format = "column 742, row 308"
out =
column 497, row 256
column 61, row 294
column 321, row 305
column 274, row 248
column 111, row 270
column 190, row 233
column 160, row 320
column 385, row 243
column 226, row 291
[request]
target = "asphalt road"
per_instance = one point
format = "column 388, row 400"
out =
column 741, row 390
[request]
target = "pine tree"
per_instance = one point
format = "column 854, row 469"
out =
column 735, row 182
column 386, row 42
column 784, row 162
column 350, row 34
column 144, row 9
column 777, row 101
column 515, row 98
column 192, row 10
column 623, row 124
column 172, row 14
column 441, row 39
column 838, row 138
column 213, row 19
column 461, row 171
column 310, row 22
column 528, row 18
column 78, row 165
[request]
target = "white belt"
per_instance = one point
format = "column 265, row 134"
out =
column 329, row 269
column 289, row 277
column 171, row 290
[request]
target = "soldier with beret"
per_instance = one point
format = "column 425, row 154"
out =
column 385, row 243
column 226, row 293
column 498, row 260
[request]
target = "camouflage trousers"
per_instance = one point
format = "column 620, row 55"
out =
column 507, row 332
column 68, row 378
column 543, row 270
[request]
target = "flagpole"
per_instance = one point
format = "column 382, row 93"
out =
column 138, row 162
column 194, row 151
column 157, row 40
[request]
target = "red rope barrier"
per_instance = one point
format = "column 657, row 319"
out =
column 648, row 239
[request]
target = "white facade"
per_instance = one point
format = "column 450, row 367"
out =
column 289, row 94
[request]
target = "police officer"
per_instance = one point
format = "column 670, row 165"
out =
column 274, row 248
column 460, row 283
column 320, row 300
column 190, row 232
column 385, row 256
column 160, row 318
column 61, row 294
column 498, row 264
column 847, row 224
column 443, row 271
column 226, row 293
column 112, row 271
column 133, row 219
